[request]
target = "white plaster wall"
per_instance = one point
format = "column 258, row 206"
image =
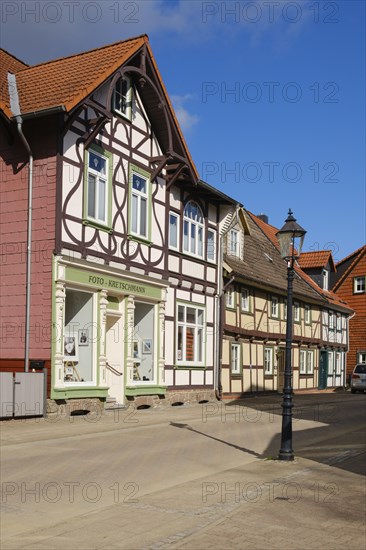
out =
column 182, row 377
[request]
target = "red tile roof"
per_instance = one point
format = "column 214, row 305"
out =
column 8, row 63
column 270, row 231
column 320, row 258
column 66, row 81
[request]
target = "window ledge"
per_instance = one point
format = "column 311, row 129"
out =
column 139, row 240
column 97, row 225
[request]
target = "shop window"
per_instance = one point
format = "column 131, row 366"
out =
column 143, row 345
column 79, row 338
column 190, row 331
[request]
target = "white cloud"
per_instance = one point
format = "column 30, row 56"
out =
column 186, row 119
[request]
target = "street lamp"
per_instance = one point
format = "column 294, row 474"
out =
column 290, row 238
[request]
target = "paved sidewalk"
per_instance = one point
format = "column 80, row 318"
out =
column 260, row 503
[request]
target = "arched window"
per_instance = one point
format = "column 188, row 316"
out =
column 193, row 229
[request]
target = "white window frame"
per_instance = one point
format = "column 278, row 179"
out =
column 285, row 309
column 310, row 362
column 245, row 299
column 361, row 357
column 296, row 312
column 230, row 298
column 196, row 226
column 330, row 363
column 197, row 327
column 359, row 285
column 339, row 322
column 275, row 307
column 331, row 321
column 99, row 177
column 126, row 98
column 325, row 279
column 140, row 196
column 268, row 361
column 306, row 361
column 338, row 363
column 307, row 314
column 235, row 358
column 234, row 243
column 177, row 217
column 211, row 254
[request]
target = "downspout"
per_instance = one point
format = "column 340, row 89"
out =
column 220, row 306
column 15, row 108
column 345, row 381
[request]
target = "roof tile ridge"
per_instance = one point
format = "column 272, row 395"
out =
column 15, row 57
column 85, row 52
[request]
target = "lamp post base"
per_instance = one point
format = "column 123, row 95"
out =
column 286, row 456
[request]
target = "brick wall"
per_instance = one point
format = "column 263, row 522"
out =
column 13, row 234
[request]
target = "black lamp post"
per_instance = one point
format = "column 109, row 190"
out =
column 290, row 238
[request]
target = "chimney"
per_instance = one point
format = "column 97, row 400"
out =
column 263, row 217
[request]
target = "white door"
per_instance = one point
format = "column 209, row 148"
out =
column 115, row 355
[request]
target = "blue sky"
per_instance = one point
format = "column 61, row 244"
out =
column 270, row 94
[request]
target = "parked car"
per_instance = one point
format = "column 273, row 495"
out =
column 358, row 378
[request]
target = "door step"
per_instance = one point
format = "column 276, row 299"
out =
column 112, row 404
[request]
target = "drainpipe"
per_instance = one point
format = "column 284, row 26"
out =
column 220, row 306
column 15, row 108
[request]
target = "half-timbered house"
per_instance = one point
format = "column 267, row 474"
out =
column 255, row 318
column 123, row 276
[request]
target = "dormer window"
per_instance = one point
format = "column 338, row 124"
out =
column 325, row 279
column 122, row 97
column 233, row 247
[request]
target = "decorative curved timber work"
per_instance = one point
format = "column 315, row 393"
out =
column 130, row 142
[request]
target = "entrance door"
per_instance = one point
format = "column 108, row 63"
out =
column 280, row 370
column 115, row 354
column 323, row 370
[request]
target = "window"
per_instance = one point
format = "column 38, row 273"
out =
column 122, row 97
column 193, row 229
column 307, row 313
column 338, row 363
column 98, row 180
column 274, row 307
column 245, row 300
column 296, row 311
column 211, row 245
column 285, row 309
column 268, row 361
column 190, row 329
column 233, row 247
column 330, row 363
column 235, row 358
column 325, row 279
column 140, row 203
column 230, row 298
column 173, row 231
column 359, row 285
column 306, row 362
column 339, row 323
column 331, row 321
column 361, row 357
